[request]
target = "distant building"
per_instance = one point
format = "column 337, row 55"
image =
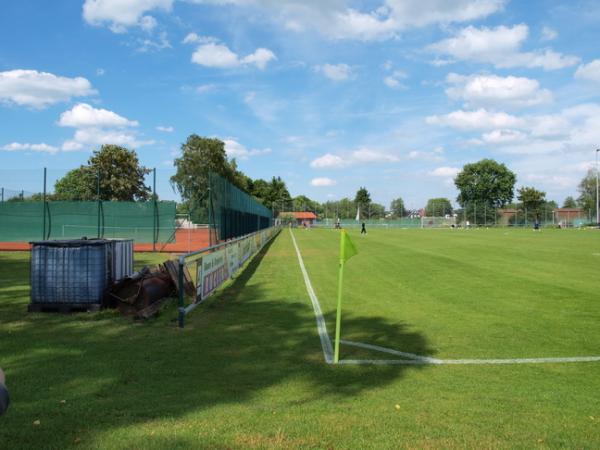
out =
column 569, row 216
column 298, row 218
column 505, row 215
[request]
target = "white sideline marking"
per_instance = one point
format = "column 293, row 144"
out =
column 325, row 341
column 413, row 359
column 378, row 348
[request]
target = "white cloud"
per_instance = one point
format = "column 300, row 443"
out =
column 84, row 115
column 549, row 34
column 475, row 120
column 383, row 20
column 393, row 80
column 153, row 45
column 335, row 72
column 19, row 147
column 260, row 58
column 88, row 138
column 204, row 88
column 360, row 156
column 503, row 137
column 213, row 54
column 569, row 133
column 365, row 155
column 95, row 126
column 191, row 38
column 446, row 172
column 590, row 71
column 121, row 14
column 328, row 161
column 148, row 23
column 236, row 150
column 499, row 46
column 495, row 91
column 322, row 182
column 165, row 129
column 40, row 89
column 436, row 155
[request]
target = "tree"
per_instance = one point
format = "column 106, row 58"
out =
column 484, row 187
column 77, row 184
column 569, row 203
column 362, row 199
column 438, row 207
column 199, row 156
column 397, row 208
column 587, row 192
column 532, row 200
column 375, row 211
column 119, row 171
column 486, row 181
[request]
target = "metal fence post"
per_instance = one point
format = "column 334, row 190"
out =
column 44, row 208
column 98, row 200
column 155, row 206
column 181, row 302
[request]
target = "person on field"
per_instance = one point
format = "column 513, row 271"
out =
column 363, row 229
column 536, row 225
column 4, row 398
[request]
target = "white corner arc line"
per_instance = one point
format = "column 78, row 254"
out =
column 321, row 326
column 413, row 359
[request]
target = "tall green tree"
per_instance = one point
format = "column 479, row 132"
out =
column 362, row 200
column 484, row 186
column 438, row 207
column 199, row 156
column 397, row 208
column 119, row 170
column 532, row 200
column 569, row 203
column 486, row 182
column 587, row 192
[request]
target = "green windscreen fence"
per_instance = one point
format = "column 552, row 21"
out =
column 145, row 222
column 233, row 212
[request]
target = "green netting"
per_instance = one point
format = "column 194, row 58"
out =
column 142, row 221
column 233, row 212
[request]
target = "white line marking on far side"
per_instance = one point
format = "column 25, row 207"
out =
column 325, row 341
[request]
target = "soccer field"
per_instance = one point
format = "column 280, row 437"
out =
column 480, row 293
column 248, row 369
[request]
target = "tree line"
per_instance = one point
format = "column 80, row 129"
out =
column 114, row 173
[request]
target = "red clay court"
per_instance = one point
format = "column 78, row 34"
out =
column 186, row 240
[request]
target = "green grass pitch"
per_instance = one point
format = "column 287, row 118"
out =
column 248, row 369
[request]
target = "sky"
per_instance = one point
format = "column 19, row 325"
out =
column 331, row 95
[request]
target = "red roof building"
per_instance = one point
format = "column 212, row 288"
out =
column 301, row 218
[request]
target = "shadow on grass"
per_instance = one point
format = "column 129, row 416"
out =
column 256, row 335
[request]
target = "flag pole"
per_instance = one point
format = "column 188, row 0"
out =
column 338, row 319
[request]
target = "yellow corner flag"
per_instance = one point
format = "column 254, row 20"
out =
column 347, row 248
column 347, row 251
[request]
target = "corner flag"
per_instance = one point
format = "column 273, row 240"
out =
column 347, row 251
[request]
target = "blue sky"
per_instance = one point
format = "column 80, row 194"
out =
column 394, row 95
